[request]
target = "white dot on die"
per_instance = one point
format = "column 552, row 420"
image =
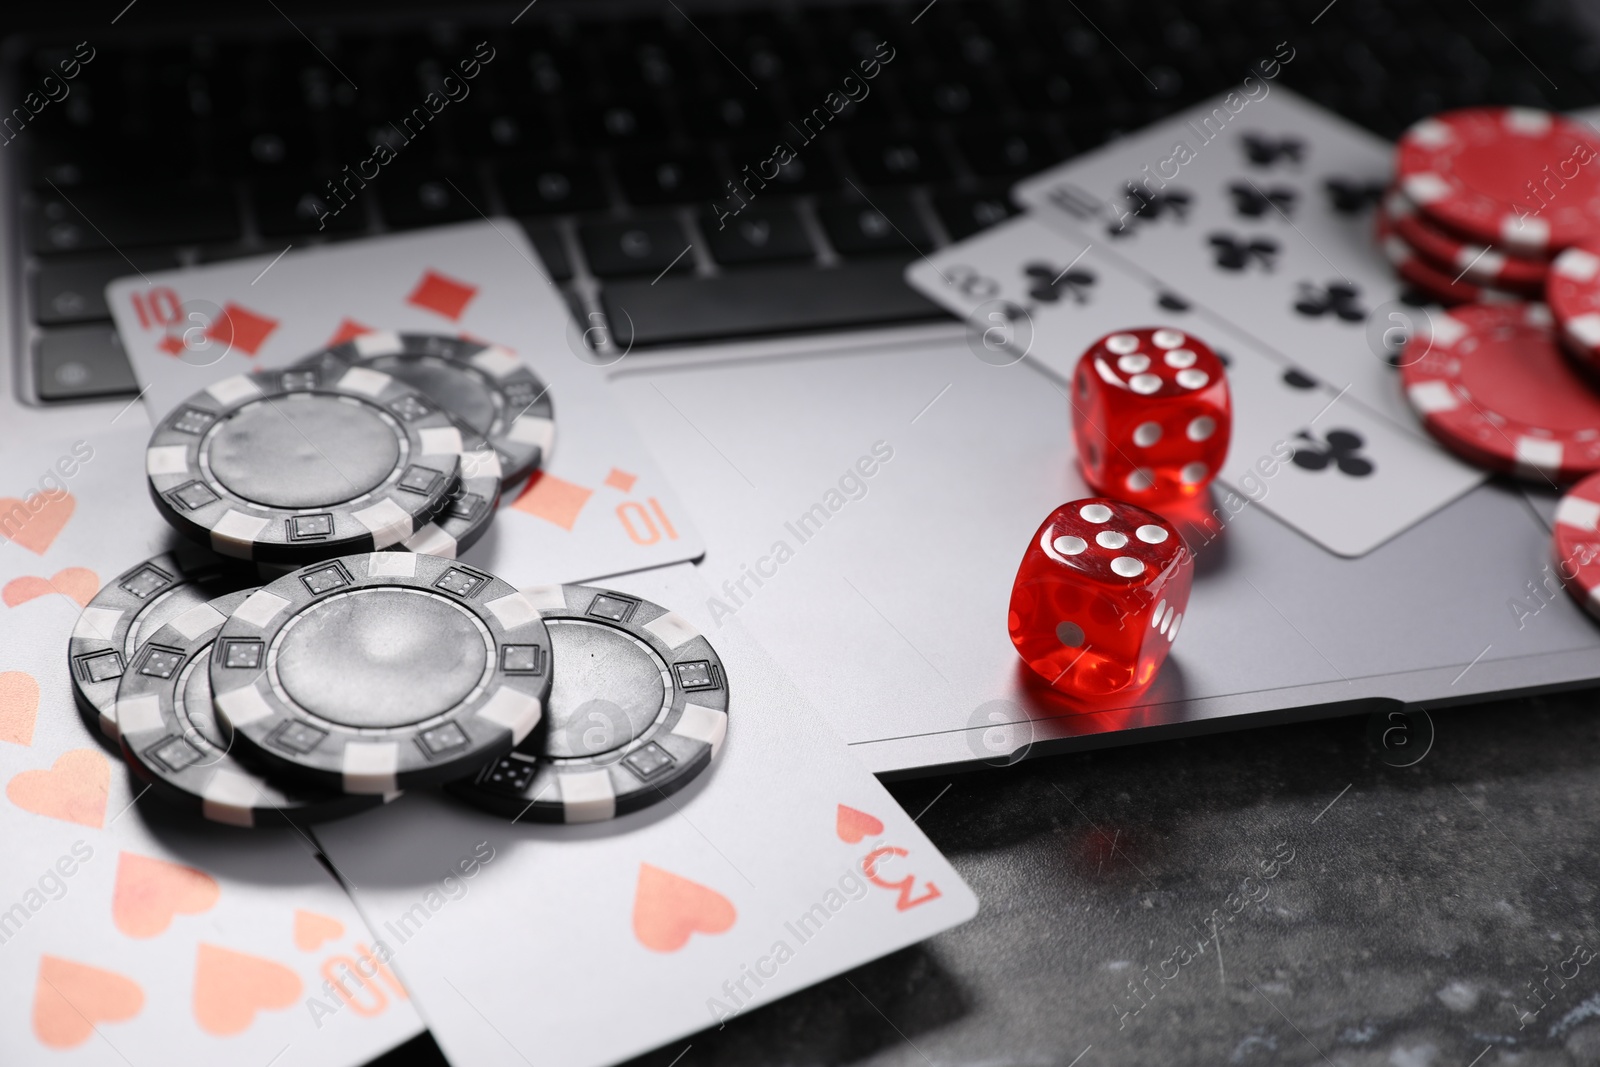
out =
column 1127, row 567
column 1140, row 479
column 1144, row 384
column 1133, row 364
column 1110, row 539
column 1166, row 620
column 1122, row 343
column 1201, row 427
column 1193, row 473
column 1150, row 534
column 1172, row 634
column 1069, row 634
column 1094, row 513
column 1180, row 357
column 1167, row 338
column 1155, row 620
column 1146, row 434
column 1192, row 378
column 1069, row 546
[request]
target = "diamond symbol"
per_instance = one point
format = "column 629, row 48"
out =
column 239, row 327
column 348, row 328
column 448, row 297
column 170, row 345
column 621, row 479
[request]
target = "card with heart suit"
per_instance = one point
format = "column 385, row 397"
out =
column 1259, row 204
column 783, row 863
column 128, row 933
column 1304, row 450
column 601, row 506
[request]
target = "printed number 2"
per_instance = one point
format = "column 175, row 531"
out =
column 869, row 867
column 642, row 526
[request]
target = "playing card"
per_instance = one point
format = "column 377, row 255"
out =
column 1309, row 453
column 1261, row 208
column 601, row 506
column 783, row 863
column 130, row 933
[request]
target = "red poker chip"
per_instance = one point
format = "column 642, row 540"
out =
column 1476, row 263
column 1575, row 544
column 1470, row 171
column 1421, row 273
column 1573, row 290
column 1490, row 383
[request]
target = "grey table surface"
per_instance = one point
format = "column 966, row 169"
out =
column 1433, row 914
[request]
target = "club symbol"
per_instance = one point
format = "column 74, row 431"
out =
column 1251, row 201
column 1341, row 298
column 1295, row 378
column 1264, row 151
column 1048, row 284
column 1146, row 206
column 1351, row 196
column 1339, row 447
column 1237, row 253
column 1170, row 301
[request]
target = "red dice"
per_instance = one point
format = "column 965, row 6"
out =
column 1150, row 415
column 1099, row 597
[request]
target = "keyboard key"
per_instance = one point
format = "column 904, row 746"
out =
column 809, row 169
column 892, row 159
column 288, row 207
column 995, row 151
column 539, row 187
column 73, row 290
column 81, row 362
column 965, row 213
column 634, row 246
column 888, row 224
column 756, row 235
column 133, row 216
column 429, row 198
column 764, row 300
column 664, row 179
column 547, row 242
column 620, row 122
column 731, row 113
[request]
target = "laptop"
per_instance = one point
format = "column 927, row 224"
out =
column 755, row 318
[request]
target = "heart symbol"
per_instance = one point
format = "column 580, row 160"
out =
column 312, row 930
column 667, row 909
column 150, row 892
column 34, row 523
column 853, row 825
column 19, row 707
column 70, row 998
column 230, row 987
column 79, row 583
column 74, row 789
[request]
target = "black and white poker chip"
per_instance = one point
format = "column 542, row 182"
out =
column 487, row 388
column 131, row 607
column 170, row 736
column 469, row 506
column 377, row 672
column 638, row 708
column 295, row 465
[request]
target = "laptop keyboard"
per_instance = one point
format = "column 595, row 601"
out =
column 616, row 142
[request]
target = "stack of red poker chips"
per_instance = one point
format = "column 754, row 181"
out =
column 1485, row 198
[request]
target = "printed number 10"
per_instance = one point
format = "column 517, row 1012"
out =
column 645, row 527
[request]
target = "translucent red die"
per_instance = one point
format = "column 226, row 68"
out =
column 1150, row 415
column 1100, row 596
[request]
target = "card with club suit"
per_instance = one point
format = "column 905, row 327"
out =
column 1260, row 206
column 1309, row 453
